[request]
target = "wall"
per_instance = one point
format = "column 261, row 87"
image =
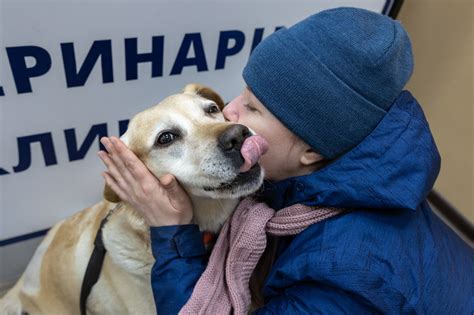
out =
column 442, row 38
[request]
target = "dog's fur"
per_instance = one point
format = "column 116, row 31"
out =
column 51, row 283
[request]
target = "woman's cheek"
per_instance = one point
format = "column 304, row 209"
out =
column 267, row 163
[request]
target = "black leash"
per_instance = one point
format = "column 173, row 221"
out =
column 95, row 265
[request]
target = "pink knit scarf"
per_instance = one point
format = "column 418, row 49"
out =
column 223, row 288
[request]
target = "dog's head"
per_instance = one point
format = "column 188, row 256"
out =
column 186, row 135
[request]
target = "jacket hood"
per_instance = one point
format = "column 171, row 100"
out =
column 394, row 167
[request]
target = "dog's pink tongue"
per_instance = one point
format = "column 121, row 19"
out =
column 252, row 149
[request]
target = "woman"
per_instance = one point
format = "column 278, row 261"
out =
column 327, row 95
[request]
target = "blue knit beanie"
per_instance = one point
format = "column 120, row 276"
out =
column 332, row 77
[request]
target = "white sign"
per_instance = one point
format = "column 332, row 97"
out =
column 72, row 71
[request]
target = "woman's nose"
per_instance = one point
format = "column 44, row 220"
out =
column 231, row 112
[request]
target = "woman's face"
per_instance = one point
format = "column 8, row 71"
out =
column 282, row 158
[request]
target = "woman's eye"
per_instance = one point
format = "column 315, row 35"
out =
column 250, row 108
column 212, row 110
column 166, row 138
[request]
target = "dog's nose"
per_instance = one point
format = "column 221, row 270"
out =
column 233, row 137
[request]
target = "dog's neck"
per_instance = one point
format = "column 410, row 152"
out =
column 210, row 214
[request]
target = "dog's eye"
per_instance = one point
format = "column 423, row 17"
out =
column 212, row 109
column 166, row 138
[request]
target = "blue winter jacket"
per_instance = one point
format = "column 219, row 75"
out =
column 388, row 254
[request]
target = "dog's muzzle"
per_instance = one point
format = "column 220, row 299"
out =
column 230, row 142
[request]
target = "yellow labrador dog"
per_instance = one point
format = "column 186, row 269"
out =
column 186, row 135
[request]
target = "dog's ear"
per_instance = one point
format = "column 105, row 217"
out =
column 204, row 91
column 110, row 195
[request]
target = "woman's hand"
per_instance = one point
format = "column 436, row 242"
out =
column 161, row 201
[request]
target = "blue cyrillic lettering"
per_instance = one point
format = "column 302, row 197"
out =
column 100, row 48
column 182, row 60
column 1, row 91
column 3, row 172
column 123, row 125
column 132, row 57
column 223, row 50
column 257, row 38
column 96, row 131
column 24, row 150
column 21, row 73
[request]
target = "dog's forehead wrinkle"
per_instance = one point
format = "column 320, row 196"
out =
column 192, row 107
column 143, row 124
column 209, row 129
column 192, row 104
column 183, row 101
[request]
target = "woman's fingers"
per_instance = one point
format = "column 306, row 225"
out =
column 127, row 169
column 130, row 161
column 110, row 181
column 117, row 158
column 112, row 169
